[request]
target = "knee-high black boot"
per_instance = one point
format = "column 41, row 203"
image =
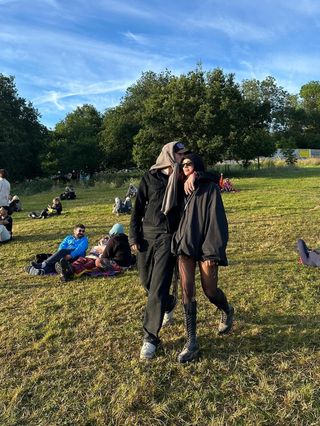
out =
column 227, row 311
column 191, row 348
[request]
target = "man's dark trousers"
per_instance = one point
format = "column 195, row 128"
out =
column 155, row 264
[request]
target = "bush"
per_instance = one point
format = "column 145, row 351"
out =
column 32, row 186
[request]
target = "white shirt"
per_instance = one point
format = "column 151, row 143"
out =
column 4, row 192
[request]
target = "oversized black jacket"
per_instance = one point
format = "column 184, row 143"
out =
column 147, row 220
column 203, row 229
column 118, row 249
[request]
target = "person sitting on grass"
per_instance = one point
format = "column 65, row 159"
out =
column 72, row 247
column 113, row 253
column 68, row 194
column 122, row 206
column 5, row 225
column 227, row 186
column 132, row 191
column 51, row 210
column 14, row 204
column 307, row 256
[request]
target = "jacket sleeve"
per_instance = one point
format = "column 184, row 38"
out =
column 64, row 243
column 137, row 215
column 215, row 229
column 108, row 251
column 212, row 176
column 81, row 248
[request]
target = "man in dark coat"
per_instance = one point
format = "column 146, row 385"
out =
column 154, row 219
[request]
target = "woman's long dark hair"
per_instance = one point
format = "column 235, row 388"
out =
column 197, row 161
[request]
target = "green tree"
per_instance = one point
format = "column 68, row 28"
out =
column 121, row 125
column 116, row 137
column 170, row 112
column 310, row 95
column 75, row 142
column 22, row 138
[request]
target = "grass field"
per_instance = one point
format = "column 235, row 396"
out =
column 69, row 353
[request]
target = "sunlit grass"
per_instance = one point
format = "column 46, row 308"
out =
column 69, row 352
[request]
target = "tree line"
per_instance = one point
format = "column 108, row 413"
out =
column 211, row 112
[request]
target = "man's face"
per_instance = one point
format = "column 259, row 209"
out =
column 79, row 232
column 178, row 157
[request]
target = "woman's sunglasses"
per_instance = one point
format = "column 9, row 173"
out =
column 187, row 164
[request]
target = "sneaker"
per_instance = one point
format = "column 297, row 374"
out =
column 167, row 318
column 148, row 350
column 35, row 271
column 27, row 268
column 58, row 268
column 168, row 315
column 64, row 269
column 226, row 321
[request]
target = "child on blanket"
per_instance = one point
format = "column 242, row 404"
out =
column 112, row 254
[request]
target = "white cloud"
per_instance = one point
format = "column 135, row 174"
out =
column 138, row 38
column 63, row 54
column 235, row 29
column 307, row 65
column 125, row 9
column 79, row 89
column 304, row 7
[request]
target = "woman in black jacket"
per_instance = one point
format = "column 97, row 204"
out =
column 202, row 237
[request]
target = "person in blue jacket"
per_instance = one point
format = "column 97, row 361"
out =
column 72, row 247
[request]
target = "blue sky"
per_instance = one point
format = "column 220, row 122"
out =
column 64, row 53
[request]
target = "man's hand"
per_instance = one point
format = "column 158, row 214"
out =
column 68, row 257
column 189, row 183
column 135, row 248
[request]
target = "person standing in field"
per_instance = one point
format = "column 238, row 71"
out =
column 201, row 238
column 154, row 219
column 4, row 189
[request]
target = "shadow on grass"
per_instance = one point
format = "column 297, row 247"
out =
column 35, row 238
column 271, row 335
column 267, row 218
column 250, row 261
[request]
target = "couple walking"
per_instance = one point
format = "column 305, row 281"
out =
column 179, row 213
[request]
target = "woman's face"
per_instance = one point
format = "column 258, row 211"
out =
column 187, row 167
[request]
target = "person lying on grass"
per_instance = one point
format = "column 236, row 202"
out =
column 307, row 256
column 70, row 249
column 111, row 254
column 51, row 210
